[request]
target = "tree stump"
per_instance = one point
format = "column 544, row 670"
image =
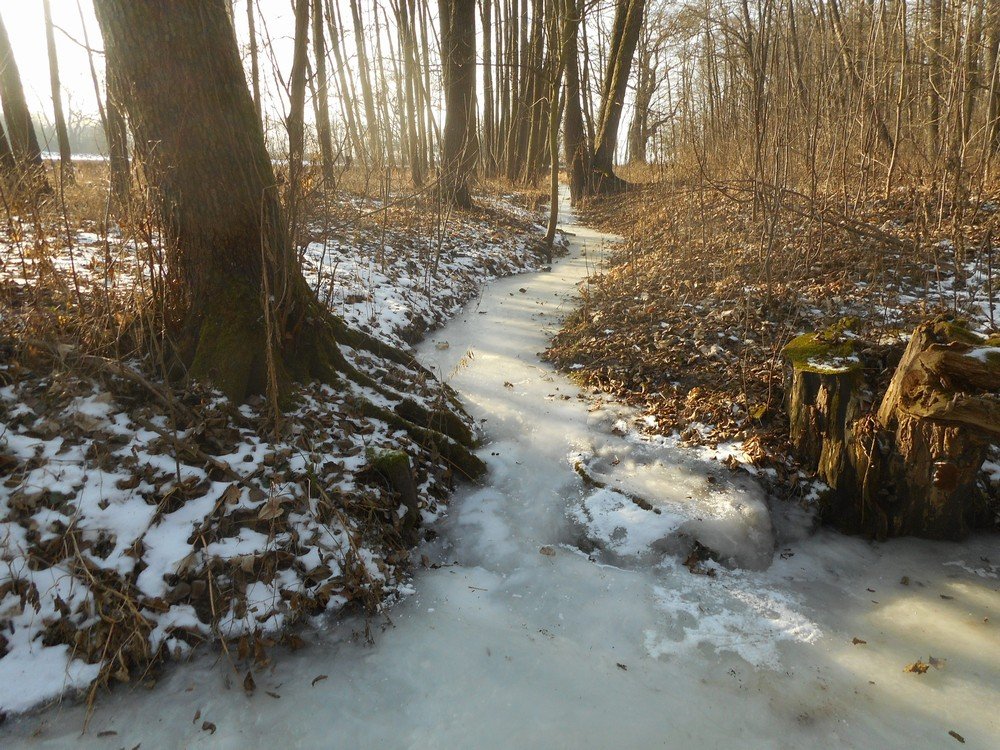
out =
column 937, row 421
column 824, row 398
column 913, row 466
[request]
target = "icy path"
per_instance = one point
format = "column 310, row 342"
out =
column 508, row 646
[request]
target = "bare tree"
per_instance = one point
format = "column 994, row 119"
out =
column 458, row 56
column 62, row 135
column 20, row 130
column 251, row 320
column 624, row 38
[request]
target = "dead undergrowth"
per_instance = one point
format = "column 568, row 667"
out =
column 711, row 281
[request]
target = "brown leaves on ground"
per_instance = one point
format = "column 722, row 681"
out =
column 689, row 318
column 918, row 667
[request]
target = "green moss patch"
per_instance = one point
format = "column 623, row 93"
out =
column 827, row 352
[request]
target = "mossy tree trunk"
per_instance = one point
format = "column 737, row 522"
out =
column 189, row 107
column 826, row 399
column 823, row 408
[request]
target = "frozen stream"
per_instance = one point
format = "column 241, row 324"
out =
column 527, row 641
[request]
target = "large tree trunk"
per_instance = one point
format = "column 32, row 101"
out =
column 624, row 38
column 116, row 132
column 195, row 123
column 30, row 174
column 458, row 54
column 65, row 153
column 938, row 417
column 252, row 323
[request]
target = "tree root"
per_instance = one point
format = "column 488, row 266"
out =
column 231, row 354
column 459, row 457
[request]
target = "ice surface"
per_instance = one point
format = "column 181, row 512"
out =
column 518, row 638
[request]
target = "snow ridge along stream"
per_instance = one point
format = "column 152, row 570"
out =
column 558, row 614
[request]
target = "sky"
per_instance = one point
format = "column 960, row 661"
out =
column 25, row 24
column 26, row 27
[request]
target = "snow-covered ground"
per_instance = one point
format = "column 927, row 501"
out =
column 210, row 528
column 555, row 613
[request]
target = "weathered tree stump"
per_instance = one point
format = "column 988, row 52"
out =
column 938, row 419
column 824, row 398
column 912, row 467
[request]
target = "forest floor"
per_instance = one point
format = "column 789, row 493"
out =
column 688, row 322
column 552, row 611
column 139, row 519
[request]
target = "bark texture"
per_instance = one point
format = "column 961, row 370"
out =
column 458, row 53
column 183, row 86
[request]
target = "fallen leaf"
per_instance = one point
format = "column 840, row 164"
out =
column 207, row 726
column 547, row 551
column 622, row 667
column 248, row 683
column 936, row 663
column 270, row 510
column 918, row 667
column 108, row 733
column 231, row 496
column 273, row 695
column 318, row 678
column 858, row 642
column 197, row 715
column 957, row 736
